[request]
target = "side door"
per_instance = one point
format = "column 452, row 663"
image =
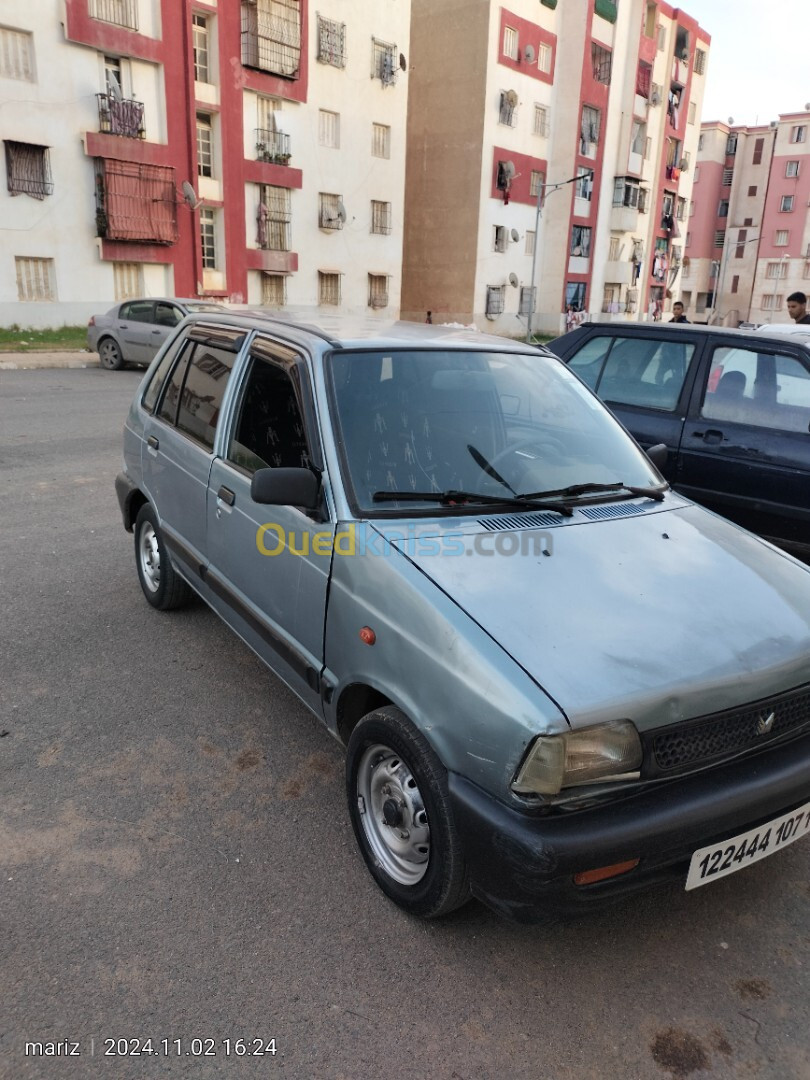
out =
column 746, row 443
column 269, row 566
column 135, row 326
column 166, row 317
column 179, row 440
column 645, row 379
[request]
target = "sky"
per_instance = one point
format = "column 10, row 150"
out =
column 758, row 61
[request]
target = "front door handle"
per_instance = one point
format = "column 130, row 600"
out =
column 226, row 495
column 711, row 437
column 153, row 442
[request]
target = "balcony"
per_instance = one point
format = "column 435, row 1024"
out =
column 271, row 36
column 120, row 116
column 619, row 271
column 272, row 146
column 624, row 218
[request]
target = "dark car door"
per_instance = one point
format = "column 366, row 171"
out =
column 746, row 443
column 645, row 377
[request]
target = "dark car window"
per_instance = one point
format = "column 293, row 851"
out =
column 167, row 314
column 203, row 391
column 269, row 430
column 171, row 395
column 645, row 371
column 156, row 382
column 762, row 389
column 138, row 311
column 587, row 363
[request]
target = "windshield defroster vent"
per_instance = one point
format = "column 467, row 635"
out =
column 520, row 521
column 597, row 513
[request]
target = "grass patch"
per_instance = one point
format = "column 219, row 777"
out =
column 62, row 339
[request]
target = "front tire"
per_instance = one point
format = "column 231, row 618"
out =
column 162, row 585
column 400, row 811
column 110, row 355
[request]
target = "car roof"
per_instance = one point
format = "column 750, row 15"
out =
column 344, row 332
column 755, row 336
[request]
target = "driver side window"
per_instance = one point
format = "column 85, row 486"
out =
column 269, row 430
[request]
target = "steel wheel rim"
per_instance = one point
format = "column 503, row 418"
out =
column 108, row 354
column 149, row 554
column 393, row 816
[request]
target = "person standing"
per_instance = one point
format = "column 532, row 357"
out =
column 797, row 307
column 677, row 313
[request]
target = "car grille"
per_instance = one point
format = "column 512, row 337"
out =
column 726, row 734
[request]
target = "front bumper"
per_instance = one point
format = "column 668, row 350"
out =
column 522, row 864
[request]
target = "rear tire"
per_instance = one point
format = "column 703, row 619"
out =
column 162, row 585
column 110, row 355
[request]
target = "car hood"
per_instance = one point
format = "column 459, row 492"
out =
column 658, row 617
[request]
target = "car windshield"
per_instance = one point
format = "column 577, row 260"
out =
column 480, row 422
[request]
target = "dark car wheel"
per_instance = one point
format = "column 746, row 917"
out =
column 401, row 815
column 110, row 354
column 162, row 585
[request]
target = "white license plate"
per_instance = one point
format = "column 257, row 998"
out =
column 710, row 863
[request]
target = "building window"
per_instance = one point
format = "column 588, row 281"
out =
column 575, row 294
column 274, row 218
column 331, row 42
column 701, row 141
column 798, row 133
column 580, row 241
column 728, row 176
column 786, row 204
column 331, row 214
column 271, row 36
column 688, row 242
column 638, row 137
column 759, row 145
column 777, row 269
column 510, row 42
column 383, row 62
column 601, row 63
column 208, row 238
column 614, row 248
column 589, row 131
column 36, row 279
column 544, row 58
column 583, row 188
column 700, row 61
column 791, row 168
column 731, row 145
column 781, row 238
column 119, row 12
column 536, row 181
column 328, row 287
column 135, row 201
column 643, row 79
column 274, row 290
column 329, row 128
column 529, row 243
column 770, row 302
column 380, row 217
column 692, row 208
column 696, row 174
column 719, row 238
column 16, row 55
column 735, row 283
column 649, row 20
column 722, row 209
column 692, row 112
column 28, row 170
column 380, row 141
column 204, row 145
column 806, row 270
column 508, row 108
column 680, row 209
column 528, row 297
column 127, row 280
column 377, row 290
column 662, row 37
column 643, row 200
column 495, row 299
column 201, row 46
column 752, row 190
column 541, row 122
column 266, row 109
column 500, row 240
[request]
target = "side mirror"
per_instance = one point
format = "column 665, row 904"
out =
column 658, row 455
column 285, row 487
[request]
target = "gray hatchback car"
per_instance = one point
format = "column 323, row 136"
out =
column 557, row 681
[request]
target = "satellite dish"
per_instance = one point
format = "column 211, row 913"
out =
column 807, row 106
column 341, row 212
column 515, row 235
column 731, row 119
column 528, row 54
column 403, row 63
column 513, row 280
column 509, row 170
column 512, row 98
column 190, row 196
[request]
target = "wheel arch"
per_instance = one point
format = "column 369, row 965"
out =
column 356, row 701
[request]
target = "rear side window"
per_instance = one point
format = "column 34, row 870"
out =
column 159, row 376
column 203, row 391
column 138, row 311
column 646, row 372
column 167, row 314
column 171, row 395
column 587, row 363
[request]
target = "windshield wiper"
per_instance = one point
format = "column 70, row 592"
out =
column 574, row 490
column 462, row 498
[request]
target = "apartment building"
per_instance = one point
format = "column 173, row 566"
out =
column 251, row 151
column 549, row 159
column 748, row 240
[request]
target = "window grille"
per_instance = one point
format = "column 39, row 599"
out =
column 580, row 241
column 118, row 116
column 199, row 25
column 781, row 238
column 331, row 42
column 380, row 140
column 28, row 170
column 135, row 201
column 274, row 290
column 16, row 55
column 602, row 62
column 271, row 36
column 495, row 299
column 328, row 287
column 205, row 155
column 127, row 280
column 329, row 211
column 274, row 218
column 380, row 217
column 777, row 269
column 119, row 12
column 329, row 128
column 530, row 243
column 510, row 42
column 508, row 111
column 541, row 121
column 771, row 302
column 383, row 62
column 36, row 279
column 700, row 61
column 719, row 238
column 536, row 181
column 208, row 238
column 377, row 290
column 528, row 297
column 728, row 176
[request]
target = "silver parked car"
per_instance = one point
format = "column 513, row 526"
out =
column 557, row 680
column 132, row 332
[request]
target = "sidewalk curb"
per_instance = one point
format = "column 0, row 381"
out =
column 45, row 360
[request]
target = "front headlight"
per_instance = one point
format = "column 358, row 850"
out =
column 610, row 751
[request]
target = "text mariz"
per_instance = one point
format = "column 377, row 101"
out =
column 65, row 1048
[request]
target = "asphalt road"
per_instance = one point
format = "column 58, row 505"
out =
column 176, row 860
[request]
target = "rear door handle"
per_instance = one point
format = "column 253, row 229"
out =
column 153, row 442
column 712, row 436
column 226, row 495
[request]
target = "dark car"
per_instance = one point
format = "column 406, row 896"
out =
column 731, row 406
column 132, row 332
